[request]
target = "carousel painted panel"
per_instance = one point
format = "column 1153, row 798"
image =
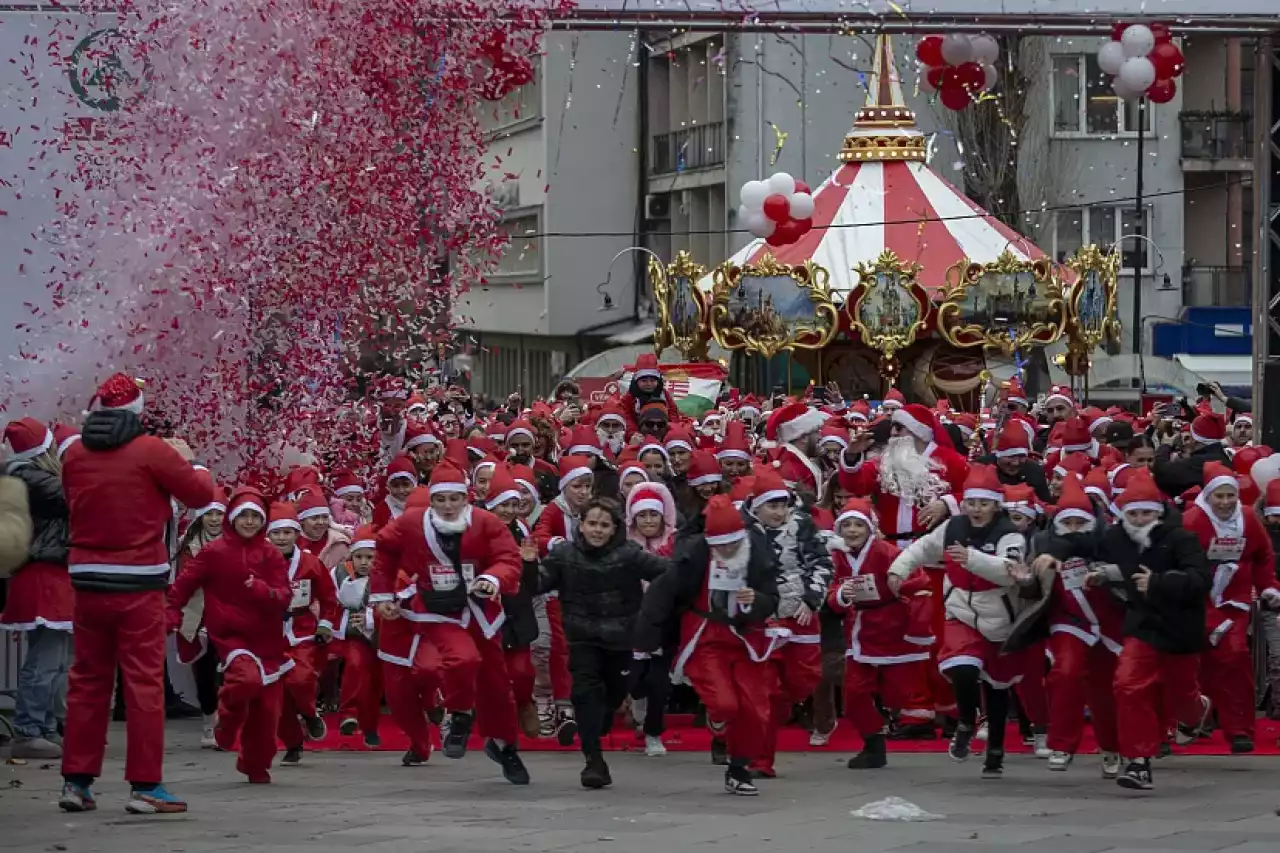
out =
column 769, row 307
column 1006, row 305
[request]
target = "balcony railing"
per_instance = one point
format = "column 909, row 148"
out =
column 697, row 147
column 1217, row 136
column 1220, row 287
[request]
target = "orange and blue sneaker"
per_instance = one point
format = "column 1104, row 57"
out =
column 155, row 800
column 76, row 798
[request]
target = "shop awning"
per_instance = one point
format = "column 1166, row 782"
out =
column 1234, row 371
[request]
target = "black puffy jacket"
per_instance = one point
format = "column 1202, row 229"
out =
column 51, row 539
column 1170, row 614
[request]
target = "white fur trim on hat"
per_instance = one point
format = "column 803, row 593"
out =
column 1154, row 506
column 364, row 545
column 742, row 410
column 245, row 507
column 33, row 452
column 647, row 372
column 983, row 495
column 402, row 475
column 771, row 495
column 811, row 421
column 1243, row 416
column 1090, row 448
column 1083, row 515
column 717, row 477
column 580, row 471
column 726, row 538
column 891, row 405
column 512, row 433
column 134, row 406
column 313, row 512
column 1023, row 507
column 733, row 454
column 653, row 445
column 1200, row 438
column 502, row 497
column 1021, row 401
column 67, row 442
column 282, row 524
column 646, row 503
column 447, row 488
column 832, row 439
column 529, row 487
column 853, row 513
column 418, row 440
column 903, row 418
column 1219, row 481
column 1063, row 397
column 1271, row 510
column 209, row 507
column 611, row 416
column 585, row 450
column 348, row 490
column 1012, row 451
column 680, row 443
column 1096, row 490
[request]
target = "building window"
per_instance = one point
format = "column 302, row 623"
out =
column 516, row 106
column 1103, row 226
column 1084, row 103
column 523, row 255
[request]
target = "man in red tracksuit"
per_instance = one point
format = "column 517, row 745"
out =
column 119, row 484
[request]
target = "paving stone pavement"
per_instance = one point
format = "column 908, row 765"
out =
column 367, row 803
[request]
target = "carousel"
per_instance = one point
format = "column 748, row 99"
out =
column 886, row 274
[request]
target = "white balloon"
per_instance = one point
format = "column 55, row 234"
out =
column 956, row 49
column 801, row 205
column 782, row 184
column 1138, row 40
column 753, row 194
column 923, row 79
column 986, row 50
column 991, row 79
column 1137, row 73
column 1111, row 57
column 759, row 224
column 743, row 212
column 1123, row 90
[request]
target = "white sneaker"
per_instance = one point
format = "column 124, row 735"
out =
column 207, row 740
column 1186, row 734
column 1059, row 760
column 981, row 733
column 1041, row 744
column 1111, row 762
column 817, row 738
column 653, row 746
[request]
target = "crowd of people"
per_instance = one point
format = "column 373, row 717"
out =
column 907, row 571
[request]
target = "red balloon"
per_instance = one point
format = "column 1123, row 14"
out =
column 1117, row 30
column 950, row 79
column 971, row 75
column 806, row 225
column 777, row 207
column 955, row 99
column 802, row 187
column 929, row 50
column 935, row 77
column 775, row 239
column 787, row 232
column 1167, row 59
column 1161, row 32
column 1162, row 91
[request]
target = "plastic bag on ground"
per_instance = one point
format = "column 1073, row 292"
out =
column 895, row 808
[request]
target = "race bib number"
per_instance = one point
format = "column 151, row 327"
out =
column 301, row 595
column 725, row 579
column 1073, row 573
column 1225, row 550
column 443, row 578
column 864, row 588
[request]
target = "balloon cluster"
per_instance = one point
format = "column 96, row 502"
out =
column 778, row 210
column 1143, row 60
column 958, row 66
column 506, row 71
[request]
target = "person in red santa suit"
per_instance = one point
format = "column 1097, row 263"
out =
column 647, row 386
column 361, row 696
column 319, row 537
column 308, row 627
column 119, row 485
column 794, row 429
column 559, row 521
column 1243, row 563
column 723, row 589
column 881, row 658
column 734, row 453
column 979, row 551
column 460, row 560
column 401, row 479
column 423, row 448
column 892, row 402
column 246, row 589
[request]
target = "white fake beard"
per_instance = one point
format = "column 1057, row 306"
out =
column 740, row 558
column 1140, row 535
column 612, row 442
column 456, row 526
column 909, row 475
column 1059, row 527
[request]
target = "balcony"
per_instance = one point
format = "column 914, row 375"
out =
column 698, row 147
column 1215, row 287
column 1217, row 141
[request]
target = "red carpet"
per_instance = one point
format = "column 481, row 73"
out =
column 682, row 737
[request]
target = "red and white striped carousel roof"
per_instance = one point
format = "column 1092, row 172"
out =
column 869, row 205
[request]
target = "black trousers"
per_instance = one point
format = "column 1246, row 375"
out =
column 651, row 680
column 205, row 673
column 600, row 680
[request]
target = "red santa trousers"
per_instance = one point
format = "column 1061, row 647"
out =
column 1081, row 675
column 897, row 685
column 558, row 663
column 249, row 709
column 300, row 686
column 361, row 696
column 472, row 674
column 124, row 629
column 1226, row 676
column 522, row 674
column 735, row 690
column 939, row 688
column 411, row 693
column 1031, row 689
column 1148, row 680
column 796, row 671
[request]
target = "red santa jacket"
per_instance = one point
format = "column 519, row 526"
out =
column 1091, row 614
column 411, row 544
column 1241, row 568
column 242, row 618
column 898, row 519
column 554, row 525
column 631, row 409
column 314, row 600
column 880, row 627
column 796, row 468
column 119, row 508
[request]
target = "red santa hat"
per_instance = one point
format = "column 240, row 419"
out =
column 769, row 486
column 833, row 433
column 219, row 503
column 420, row 497
column 653, row 446
column 1076, row 436
column 1072, row 463
column 364, row 539
column 481, row 446
column 703, row 469
column 583, row 441
column 283, row 516
column 418, row 433
column 918, row 420
column 1012, row 441
column 1209, row 429
column 246, row 499
column 119, row 392
column 859, row 509
column 64, row 436
column 496, row 431
column 859, row 412
column 983, row 483
column 678, row 438
column 392, row 388
column 346, row 483
column 724, row 521
column 749, row 406
column 573, row 467
column 520, row 427
column 1096, row 419
column 525, row 478
column 966, row 423
column 502, row 488
column 893, row 400
column 402, row 468
column 642, row 497
column 1060, row 393
column 1140, row 493
column 447, row 478
column 735, row 444
column 628, row 463
column 1217, row 475
column 1073, row 502
column 312, row 505
column 1014, row 393
column 790, row 422
column 1243, row 460
column 1021, row 499
column 1097, row 483
column 300, row 480
column 1243, row 417
column 611, row 411
column 646, row 366
column 28, row 438
column 1272, row 504
column 741, row 491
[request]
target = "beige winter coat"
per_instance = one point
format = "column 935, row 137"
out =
column 15, row 525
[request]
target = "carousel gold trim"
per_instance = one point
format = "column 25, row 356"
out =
column 808, row 276
column 965, row 275
column 1091, row 259
column 882, row 147
column 665, row 334
column 888, row 342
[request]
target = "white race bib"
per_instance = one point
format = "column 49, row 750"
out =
column 443, row 578
column 301, row 595
column 864, row 588
column 1073, row 573
column 1225, row 550
column 724, row 579
column 469, row 572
